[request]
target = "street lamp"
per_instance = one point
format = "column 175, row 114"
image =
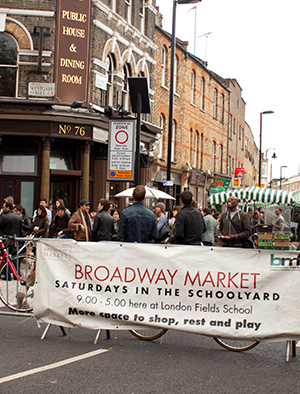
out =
column 260, row 137
column 281, row 175
column 171, row 97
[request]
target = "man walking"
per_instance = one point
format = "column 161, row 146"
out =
column 81, row 221
column 235, row 226
column 137, row 223
column 211, row 225
column 279, row 221
column 189, row 222
column 103, row 228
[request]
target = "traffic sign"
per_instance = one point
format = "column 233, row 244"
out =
column 121, row 150
column 168, row 183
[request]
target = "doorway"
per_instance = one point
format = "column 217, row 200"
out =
column 64, row 190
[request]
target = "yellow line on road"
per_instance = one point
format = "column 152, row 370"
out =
column 52, row 366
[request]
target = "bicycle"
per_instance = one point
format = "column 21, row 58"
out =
column 235, row 345
column 17, row 281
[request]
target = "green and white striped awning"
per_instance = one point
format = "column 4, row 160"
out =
column 296, row 196
column 254, row 193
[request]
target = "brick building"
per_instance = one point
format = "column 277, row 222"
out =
column 64, row 69
column 200, row 123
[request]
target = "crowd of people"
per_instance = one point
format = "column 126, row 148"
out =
column 184, row 224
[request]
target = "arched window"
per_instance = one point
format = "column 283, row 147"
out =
column 202, row 93
column 215, row 103
column 8, row 66
column 173, row 141
column 195, row 162
column 161, row 138
column 110, row 80
column 163, row 65
column 193, row 83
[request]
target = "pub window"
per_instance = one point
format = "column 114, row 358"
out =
column 60, row 160
column 18, row 161
column 8, row 65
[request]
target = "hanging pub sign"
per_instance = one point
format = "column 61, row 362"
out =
column 121, row 143
column 72, row 50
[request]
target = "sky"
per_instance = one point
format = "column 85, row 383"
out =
column 257, row 43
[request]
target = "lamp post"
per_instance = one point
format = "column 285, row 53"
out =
column 281, row 175
column 171, row 97
column 260, row 138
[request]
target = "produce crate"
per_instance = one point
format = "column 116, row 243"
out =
column 265, row 243
column 281, row 235
column 264, row 228
column 265, row 235
column 281, row 242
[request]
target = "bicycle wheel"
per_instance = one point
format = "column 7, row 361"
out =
column 15, row 295
column 146, row 333
column 236, row 345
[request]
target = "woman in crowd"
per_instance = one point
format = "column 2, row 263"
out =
column 40, row 224
column 116, row 216
column 26, row 222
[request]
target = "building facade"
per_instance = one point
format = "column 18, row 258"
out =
column 64, row 69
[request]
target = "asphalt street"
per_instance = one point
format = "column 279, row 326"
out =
column 179, row 363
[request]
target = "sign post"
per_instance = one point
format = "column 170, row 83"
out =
column 121, row 150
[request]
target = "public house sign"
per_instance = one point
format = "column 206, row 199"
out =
column 72, row 51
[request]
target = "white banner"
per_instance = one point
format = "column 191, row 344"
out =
column 212, row 291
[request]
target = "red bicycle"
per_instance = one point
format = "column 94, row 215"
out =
column 17, row 277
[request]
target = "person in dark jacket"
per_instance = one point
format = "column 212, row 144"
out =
column 26, row 222
column 115, row 213
column 137, row 223
column 235, row 226
column 60, row 223
column 189, row 222
column 10, row 222
column 40, row 224
column 103, row 228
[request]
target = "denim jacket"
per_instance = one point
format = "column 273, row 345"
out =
column 137, row 224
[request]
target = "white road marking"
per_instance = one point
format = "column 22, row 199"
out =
column 52, row 366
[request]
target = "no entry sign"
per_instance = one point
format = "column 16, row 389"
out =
column 121, row 150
